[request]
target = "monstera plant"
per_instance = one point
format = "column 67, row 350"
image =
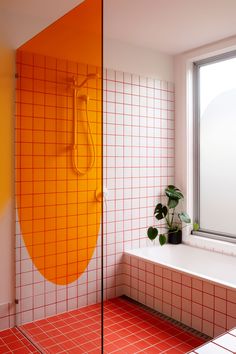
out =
column 173, row 219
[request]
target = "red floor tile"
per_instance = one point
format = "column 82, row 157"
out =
column 128, row 328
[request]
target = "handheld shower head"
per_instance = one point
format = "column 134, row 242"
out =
column 83, row 98
column 88, row 77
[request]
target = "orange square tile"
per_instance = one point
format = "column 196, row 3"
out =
column 82, row 255
column 50, row 273
column 25, row 97
column 50, row 137
column 26, row 84
column 38, row 225
column 61, row 186
column 50, row 87
column 38, row 149
column 39, row 250
column 50, row 112
column 38, row 98
column 62, row 173
column 38, row 111
column 50, row 187
column 51, row 75
column 50, row 199
column 62, row 224
column 50, row 124
column 72, row 197
column 50, row 235
column 72, row 186
column 83, row 243
column 61, row 246
column 26, row 201
column 38, row 85
column 26, row 175
column 50, row 224
column 26, row 148
column 72, row 221
column 25, row 213
column 26, row 109
column 61, row 210
column 26, row 71
column 72, row 245
column 39, row 238
column 50, row 249
column 38, row 199
column 39, row 212
column 50, row 100
column 26, row 187
column 39, row 174
column 50, row 211
column 50, row 262
column 38, row 162
column 39, row 73
column 39, row 187
column 61, row 233
column 82, row 231
column 72, row 233
column 61, row 258
column 38, row 136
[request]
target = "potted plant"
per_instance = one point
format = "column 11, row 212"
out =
column 173, row 219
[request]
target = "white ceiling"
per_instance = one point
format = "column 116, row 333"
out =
column 170, row 26
column 20, row 20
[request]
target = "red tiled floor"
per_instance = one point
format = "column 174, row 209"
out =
column 12, row 341
column 128, row 328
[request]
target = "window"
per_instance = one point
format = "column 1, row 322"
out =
column 215, row 147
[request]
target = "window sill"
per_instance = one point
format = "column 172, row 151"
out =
column 210, row 244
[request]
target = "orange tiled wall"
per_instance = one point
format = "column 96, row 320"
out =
column 58, row 215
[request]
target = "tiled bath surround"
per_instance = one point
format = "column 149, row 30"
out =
column 202, row 305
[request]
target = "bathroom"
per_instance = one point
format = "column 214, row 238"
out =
column 97, row 119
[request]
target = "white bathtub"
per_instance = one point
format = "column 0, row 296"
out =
column 194, row 286
column 216, row 267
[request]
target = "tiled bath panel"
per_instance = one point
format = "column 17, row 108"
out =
column 200, row 304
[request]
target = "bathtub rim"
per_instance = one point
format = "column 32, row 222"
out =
column 213, row 280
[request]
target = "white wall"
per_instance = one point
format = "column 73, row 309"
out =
column 183, row 69
column 138, row 60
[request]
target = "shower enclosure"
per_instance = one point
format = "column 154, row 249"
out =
column 58, row 183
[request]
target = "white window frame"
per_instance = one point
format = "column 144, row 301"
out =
column 196, row 149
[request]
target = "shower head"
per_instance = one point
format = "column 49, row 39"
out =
column 88, row 77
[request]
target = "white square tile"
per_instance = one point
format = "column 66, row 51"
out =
column 211, row 348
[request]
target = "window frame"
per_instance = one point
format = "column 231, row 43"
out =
column 196, row 146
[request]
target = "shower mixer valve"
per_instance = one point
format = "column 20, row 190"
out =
column 101, row 195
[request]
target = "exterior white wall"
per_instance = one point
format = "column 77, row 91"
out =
column 183, row 71
column 125, row 57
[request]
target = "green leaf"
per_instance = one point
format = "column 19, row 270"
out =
column 184, row 217
column 172, row 203
column 162, row 239
column 152, row 233
column 195, row 226
column 160, row 211
column 173, row 192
